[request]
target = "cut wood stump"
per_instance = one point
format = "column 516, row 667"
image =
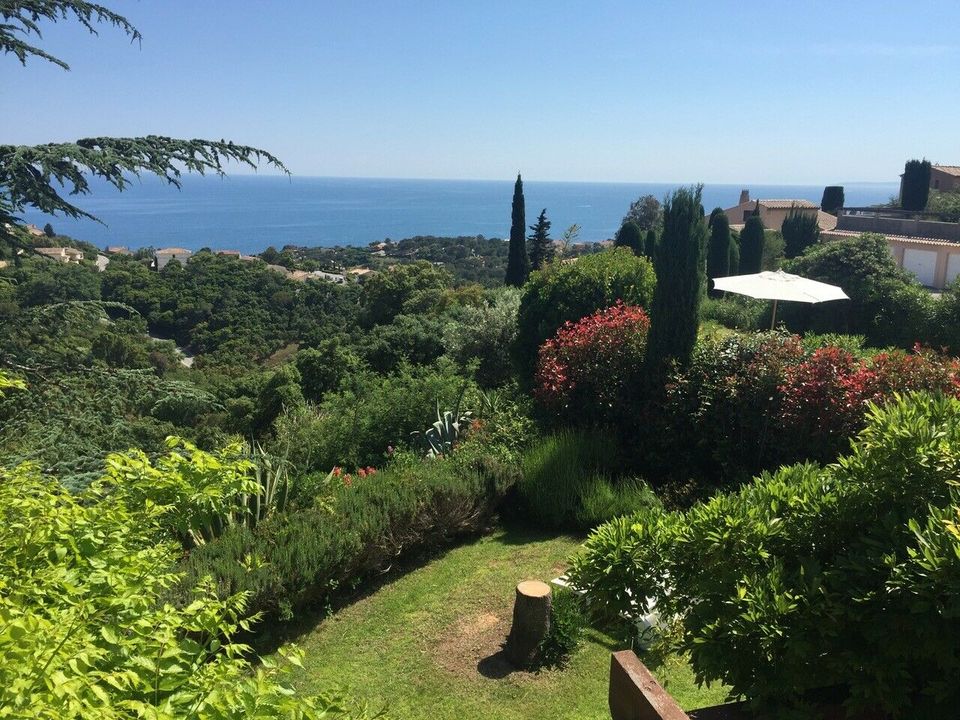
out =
column 531, row 622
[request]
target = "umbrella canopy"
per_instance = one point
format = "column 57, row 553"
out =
column 778, row 285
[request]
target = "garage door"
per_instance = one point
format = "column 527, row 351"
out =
column 953, row 267
column 922, row 263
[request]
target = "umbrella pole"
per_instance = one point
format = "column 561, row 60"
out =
column 773, row 319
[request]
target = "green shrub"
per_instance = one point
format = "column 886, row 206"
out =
column 307, row 557
column 846, row 568
column 567, row 623
column 567, row 291
column 886, row 304
column 86, row 631
column 737, row 312
column 485, row 335
column 603, row 499
column 569, row 481
column 355, row 426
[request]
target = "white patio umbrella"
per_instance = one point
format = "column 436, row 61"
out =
column 777, row 285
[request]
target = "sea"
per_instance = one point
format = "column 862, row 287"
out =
column 251, row 212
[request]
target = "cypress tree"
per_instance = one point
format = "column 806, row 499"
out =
column 541, row 246
column 650, row 244
column 734, row 263
column 518, row 264
column 751, row 246
column 679, row 262
column 718, row 247
column 832, row 199
column 800, row 231
column 915, row 188
column 48, row 230
column 630, row 235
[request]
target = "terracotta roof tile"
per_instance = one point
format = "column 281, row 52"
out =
column 948, row 169
column 781, row 204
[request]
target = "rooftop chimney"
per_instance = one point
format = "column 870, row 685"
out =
column 744, row 197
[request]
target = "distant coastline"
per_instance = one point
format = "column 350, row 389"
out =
column 252, row 212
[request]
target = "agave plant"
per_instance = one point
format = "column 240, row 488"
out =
column 440, row 439
column 271, row 474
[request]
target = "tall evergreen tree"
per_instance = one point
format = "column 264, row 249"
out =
column 800, row 230
column 734, row 262
column 541, row 246
column 650, row 244
column 48, row 230
column 630, row 235
column 751, row 246
column 832, row 199
column 718, row 247
column 915, row 187
column 679, row 262
column 518, row 264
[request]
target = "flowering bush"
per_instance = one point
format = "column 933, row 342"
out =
column 585, row 369
column 824, row 399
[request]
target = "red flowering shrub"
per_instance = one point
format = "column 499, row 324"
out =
column 585, row 369
column 824, row 398
column 900, row 372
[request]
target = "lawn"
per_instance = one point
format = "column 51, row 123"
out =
column 426, row 644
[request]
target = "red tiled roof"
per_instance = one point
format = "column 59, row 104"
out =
column 948, row 169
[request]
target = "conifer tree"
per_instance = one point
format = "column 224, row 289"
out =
column 679, row 262
column 751, row 246
column 541, row 246
column 650, row 244
column 718, row 247
column 832, row 199
column 518, row 264
column 734, row 263
column 629, row 235
column 800, row 231
column 915, row 188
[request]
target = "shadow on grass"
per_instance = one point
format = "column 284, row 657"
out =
column 496, row 666
column 272, row 633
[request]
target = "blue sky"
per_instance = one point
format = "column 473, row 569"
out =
column 671, row 91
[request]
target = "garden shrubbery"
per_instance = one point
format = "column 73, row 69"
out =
column 355, row 527
column 567, row 291
column 572, row 479
column 852, row 569
column 586, row 369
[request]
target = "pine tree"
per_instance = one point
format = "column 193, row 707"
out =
column 751, row 246
column 518, row 264
column 48, row 231
column 629, row 235
column 679, row 262
column 718, row 247
column 541, row 246
column 832, row 199
column 915, row 188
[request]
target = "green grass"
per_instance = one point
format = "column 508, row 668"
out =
column 425, row 644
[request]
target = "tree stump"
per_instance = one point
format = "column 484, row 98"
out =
column 531, row 622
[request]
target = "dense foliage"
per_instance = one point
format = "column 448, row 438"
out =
column 679, row 260
column 566, row 292
column 800, row 230
column 915, row 185
column 585, row 371
column 833, row 199
column 851, row 568
column 751, row 246
column 88, row 633
column 886, row 304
